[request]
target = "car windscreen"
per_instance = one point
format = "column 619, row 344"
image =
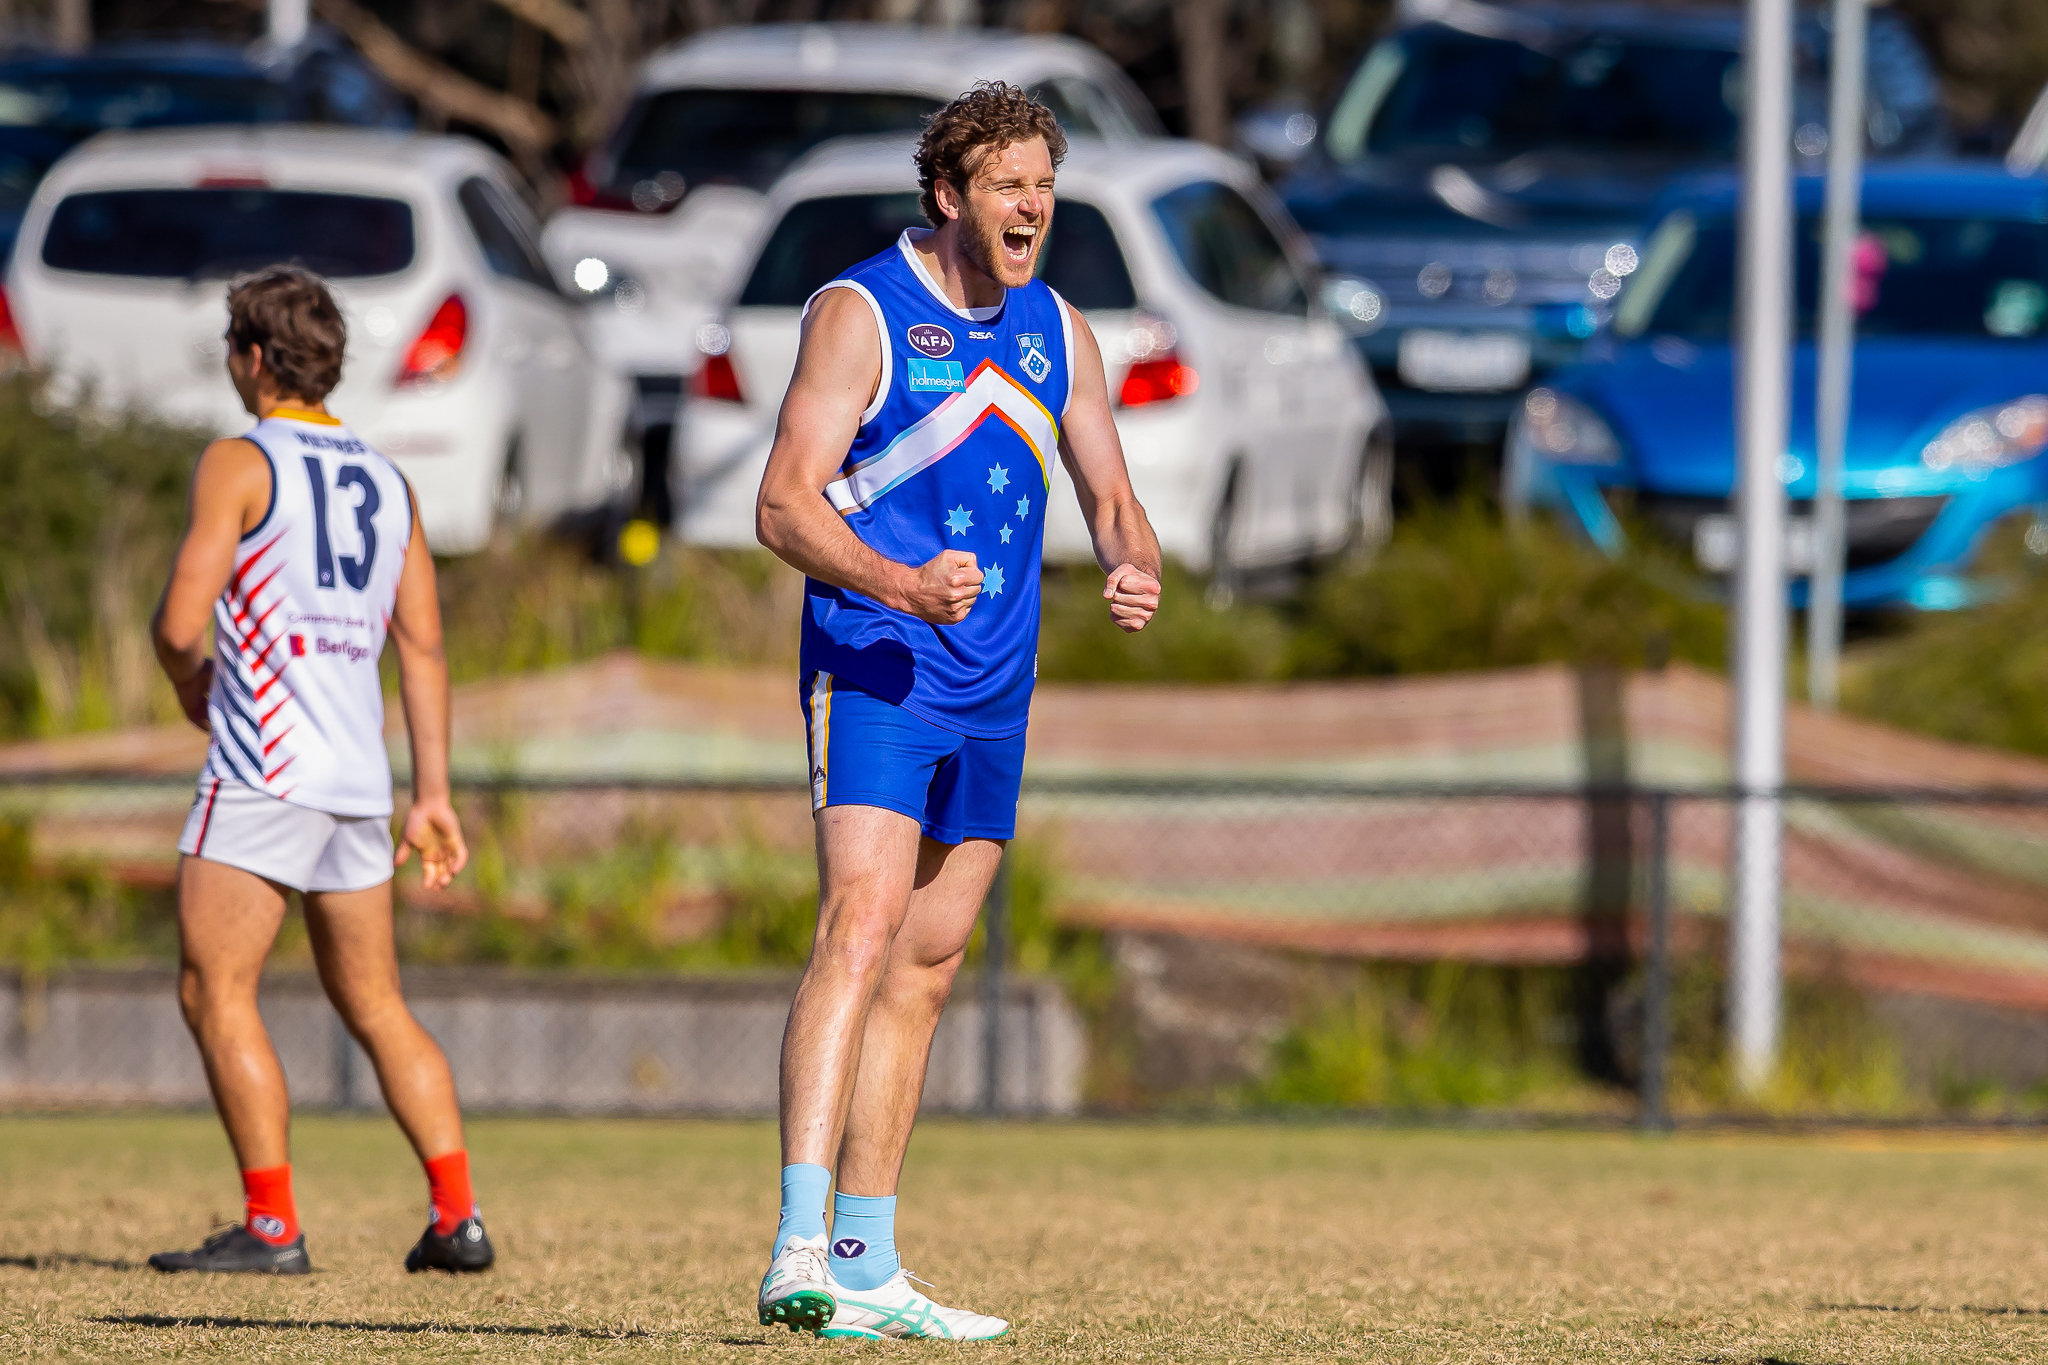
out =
column 748, row 137
column 1228, row 249
column 81, row 103
column 1954, row 277
column 1442, row 93
column 196, row 233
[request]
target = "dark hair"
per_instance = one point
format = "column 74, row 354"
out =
column 289, row 312
column 991, row 116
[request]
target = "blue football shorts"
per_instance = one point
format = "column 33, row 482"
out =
column 866, row 751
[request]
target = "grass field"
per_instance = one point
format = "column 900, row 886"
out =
column 643, row 1240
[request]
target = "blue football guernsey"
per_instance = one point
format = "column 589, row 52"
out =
column 954, row 453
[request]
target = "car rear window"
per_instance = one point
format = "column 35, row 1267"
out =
column 819, row 238
column 196, row 233
column 1228, row 249
column 1082, row 260
column 748, row 137
column 1915, row 276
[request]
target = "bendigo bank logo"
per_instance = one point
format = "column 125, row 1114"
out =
column 930, row 338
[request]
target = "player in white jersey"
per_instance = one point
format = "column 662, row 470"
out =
column 303, row 552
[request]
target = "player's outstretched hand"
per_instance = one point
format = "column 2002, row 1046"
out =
column 433, row 829
column 945, row 588
column 192, row 695
column 1133, row 595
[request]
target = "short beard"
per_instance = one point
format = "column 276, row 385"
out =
column 984, row 248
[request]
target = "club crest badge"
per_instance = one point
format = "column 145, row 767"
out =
column 1031, row 356
column 930, row 338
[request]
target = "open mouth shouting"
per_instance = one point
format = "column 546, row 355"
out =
column 1019, row 241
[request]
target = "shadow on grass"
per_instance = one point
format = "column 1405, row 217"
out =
column 1981, row 1310
column 49, row 1260
column 357, row 1325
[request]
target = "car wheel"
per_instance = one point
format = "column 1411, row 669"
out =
column 1372, row 498
column 1226, row 578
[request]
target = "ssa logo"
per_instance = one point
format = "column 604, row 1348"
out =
column 930, row 338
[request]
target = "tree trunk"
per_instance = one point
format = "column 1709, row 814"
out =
column 1199, row 24
column 71, row 24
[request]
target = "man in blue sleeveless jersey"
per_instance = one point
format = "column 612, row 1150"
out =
column 935, row 384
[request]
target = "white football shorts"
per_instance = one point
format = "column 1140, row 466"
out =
column 307, row 850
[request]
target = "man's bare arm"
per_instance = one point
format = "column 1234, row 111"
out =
column 1125, row 545
column 230, row 494
column 837, row 369
column 431, row 825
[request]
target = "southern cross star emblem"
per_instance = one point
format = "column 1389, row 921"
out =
column 992, row 581
column 998, row 479
column 958, row 520
column 1005, row 534
column 1023, row 507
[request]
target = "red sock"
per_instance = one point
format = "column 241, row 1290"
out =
column 268, row 1195
column 448, row 1189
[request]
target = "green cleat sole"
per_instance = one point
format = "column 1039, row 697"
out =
column 807, row 1310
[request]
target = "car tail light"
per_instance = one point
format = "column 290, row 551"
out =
column 437, row 354
column 717, row 379
column 1157, row 379
column 660, row 194
column 10, row 339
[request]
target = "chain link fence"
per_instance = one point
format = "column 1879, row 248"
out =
column 1175, row 943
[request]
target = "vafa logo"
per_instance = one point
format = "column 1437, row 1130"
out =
column 930, row 338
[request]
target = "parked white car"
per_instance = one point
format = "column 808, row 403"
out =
column 1255, row 436
column 466, row 363
column 664, row 210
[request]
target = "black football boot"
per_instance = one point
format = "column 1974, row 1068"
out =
column 238, row 1251
column 465, row 1249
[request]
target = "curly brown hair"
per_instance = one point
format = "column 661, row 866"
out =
column 991, row 116
column 290, row 313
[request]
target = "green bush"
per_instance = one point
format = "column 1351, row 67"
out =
column 90, row 508
column 1188, row 641
column 1979, row 675
column 1457, row 588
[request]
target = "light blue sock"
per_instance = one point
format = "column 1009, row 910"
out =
column 863, row 1240
column 803, row 1203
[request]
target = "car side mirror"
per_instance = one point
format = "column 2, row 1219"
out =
column 1567, row 321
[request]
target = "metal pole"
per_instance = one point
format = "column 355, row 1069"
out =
column 1764, row 296
column 287, row 20
column 1657, row 973
column 995, row 947
column 1837, row 349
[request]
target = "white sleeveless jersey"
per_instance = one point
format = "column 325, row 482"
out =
column 297, row 707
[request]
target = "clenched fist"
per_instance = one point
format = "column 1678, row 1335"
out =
column 1133, row 595
column 945, row 588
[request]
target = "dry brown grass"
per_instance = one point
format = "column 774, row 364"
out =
column 642, row 1240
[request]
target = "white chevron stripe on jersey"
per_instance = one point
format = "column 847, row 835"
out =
column 989, row 393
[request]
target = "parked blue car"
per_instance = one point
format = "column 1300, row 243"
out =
column 1949, row 413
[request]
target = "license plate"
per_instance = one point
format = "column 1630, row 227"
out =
column 1717, row 543
column 1463, row 362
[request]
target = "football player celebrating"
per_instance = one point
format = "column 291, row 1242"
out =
column 304, row 550
column 935, row 384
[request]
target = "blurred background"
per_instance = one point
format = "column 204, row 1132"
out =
column 1417, row 317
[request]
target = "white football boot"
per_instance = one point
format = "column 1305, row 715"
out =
column 797, row 1292
column 898, row 1310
